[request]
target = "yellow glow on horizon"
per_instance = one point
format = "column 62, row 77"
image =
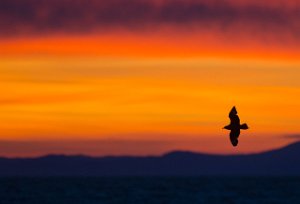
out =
column 92, row 98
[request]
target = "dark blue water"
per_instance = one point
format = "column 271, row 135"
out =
column 149, row 190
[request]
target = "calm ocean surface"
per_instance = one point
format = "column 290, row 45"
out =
column 149, row 190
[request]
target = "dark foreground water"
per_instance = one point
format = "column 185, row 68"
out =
column 149, row 190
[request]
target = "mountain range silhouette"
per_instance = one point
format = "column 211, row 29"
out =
column 283, row 162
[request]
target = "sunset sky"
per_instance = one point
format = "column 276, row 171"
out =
column 144, row 77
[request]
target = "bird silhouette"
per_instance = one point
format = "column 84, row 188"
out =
column 235, row 127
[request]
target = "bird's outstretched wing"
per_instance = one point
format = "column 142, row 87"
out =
column 234, row 118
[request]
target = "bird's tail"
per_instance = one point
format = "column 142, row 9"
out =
column 244, row 126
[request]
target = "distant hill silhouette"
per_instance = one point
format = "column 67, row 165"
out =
column 284, row 161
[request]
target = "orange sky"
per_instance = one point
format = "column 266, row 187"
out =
column 64, row 93
column 147, row 92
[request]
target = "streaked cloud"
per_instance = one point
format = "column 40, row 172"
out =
column 292, row 136
column 145, row 145
column 33, row 148
column 19, row 17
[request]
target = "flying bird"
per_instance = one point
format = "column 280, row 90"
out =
column 235, row 127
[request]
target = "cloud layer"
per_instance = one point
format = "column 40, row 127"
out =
column 29, row 17
column 295, row 136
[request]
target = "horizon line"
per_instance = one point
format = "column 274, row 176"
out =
column 148, row 156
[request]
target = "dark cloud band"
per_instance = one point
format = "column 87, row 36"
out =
column 295, row 136
column 76, row 16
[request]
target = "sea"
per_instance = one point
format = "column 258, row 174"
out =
column 150, row 190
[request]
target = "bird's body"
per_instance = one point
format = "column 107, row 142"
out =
column 235, row 127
